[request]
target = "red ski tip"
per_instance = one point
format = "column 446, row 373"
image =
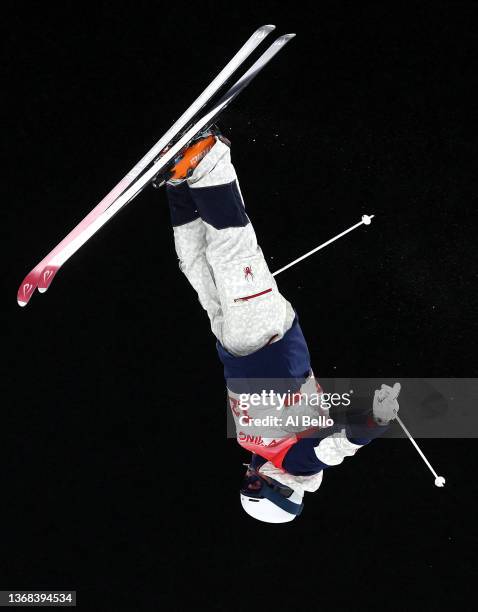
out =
column 46, row 278
column 26, row 289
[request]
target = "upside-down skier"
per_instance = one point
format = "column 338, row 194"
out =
column 259, row 339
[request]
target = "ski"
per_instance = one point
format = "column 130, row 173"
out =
column 35, row 278
column 206, row 121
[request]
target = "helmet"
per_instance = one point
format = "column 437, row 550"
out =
column 268, row 500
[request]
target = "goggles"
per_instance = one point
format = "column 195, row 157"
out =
column 256, row 486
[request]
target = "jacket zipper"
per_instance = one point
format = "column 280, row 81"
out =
column 250, row 297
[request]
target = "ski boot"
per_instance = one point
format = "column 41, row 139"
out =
column 187, row 160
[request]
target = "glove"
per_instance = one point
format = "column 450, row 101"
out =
column 385, row 405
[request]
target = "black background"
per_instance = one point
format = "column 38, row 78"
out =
column 117, row 480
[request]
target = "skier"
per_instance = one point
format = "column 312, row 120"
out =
column 259, row 339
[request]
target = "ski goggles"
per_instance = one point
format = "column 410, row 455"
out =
column 256, row 486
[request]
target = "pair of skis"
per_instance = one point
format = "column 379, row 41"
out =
column 150, row 166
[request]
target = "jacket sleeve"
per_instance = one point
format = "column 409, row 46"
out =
column 311, row 455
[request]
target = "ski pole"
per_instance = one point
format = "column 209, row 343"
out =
column 439, row 480
column 366, row 220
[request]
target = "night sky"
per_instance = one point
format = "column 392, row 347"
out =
column 118, row 480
